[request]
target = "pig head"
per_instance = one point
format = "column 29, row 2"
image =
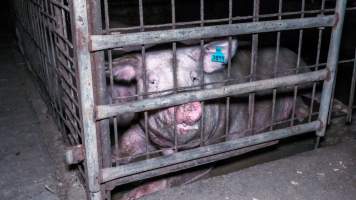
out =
column 180, row 124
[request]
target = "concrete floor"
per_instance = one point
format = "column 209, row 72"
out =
column 26, row 169
column 31, row 148
column 325, row 174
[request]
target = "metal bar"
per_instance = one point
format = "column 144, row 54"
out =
column 106, row 111
column 100, row 83
column 101, row 42
column 333, row 57
column 201, row 62
column 186, row 165
column 300, row 42
column 275, row 66
column 317, row 61
column 175, row 75
column 109, row 174
column 253, row 70
column 352, row 92
column 228, row 76
column 82, row 56
column 223, row 20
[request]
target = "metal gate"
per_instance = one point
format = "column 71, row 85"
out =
column 73, row 54
column 44, row 36
column 89, row 42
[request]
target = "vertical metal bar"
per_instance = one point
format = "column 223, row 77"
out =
column 316, row 68
column 175, row 75
column 82, row 57
column 63, row 27
column 57, row 83
column 59, row 30
column 43, row 46
column 254, row 59
column 202, row 81
column 275, row 67
column 106, row 16
column 116, row 134
column 331, row 105
column 332, row 62
column 228, row 76
column 352, row 92
column 46, row 49
column 300, row 43
column 320, row 37
column 145, row 82
column 95, row 27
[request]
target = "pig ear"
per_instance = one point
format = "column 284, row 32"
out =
column 125, row 68
column 216, row 54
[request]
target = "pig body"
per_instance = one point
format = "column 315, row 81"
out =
column 188, row 116
column 122, row 93
column 187, row 133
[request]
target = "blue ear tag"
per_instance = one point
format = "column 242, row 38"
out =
column 218, row 56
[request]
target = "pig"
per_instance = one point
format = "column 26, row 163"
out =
column 159, row 73
column 121, row 92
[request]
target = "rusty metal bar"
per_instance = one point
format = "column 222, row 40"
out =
column 109, row 174
column 83, row 59
column 106, row 111
column 332, row 62
column 101, row 42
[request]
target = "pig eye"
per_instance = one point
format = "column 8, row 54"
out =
column 153, row 82
column 152, row 79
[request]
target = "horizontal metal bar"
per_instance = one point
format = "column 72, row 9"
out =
column 109, row 174
column 106, row 111
column 101, row 42
column 235, row 19
column 186, row 165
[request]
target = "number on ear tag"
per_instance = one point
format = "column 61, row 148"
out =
column 218, row 56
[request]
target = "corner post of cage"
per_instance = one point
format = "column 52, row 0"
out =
column 100, row 87
column 87, row 103
column 332, row 62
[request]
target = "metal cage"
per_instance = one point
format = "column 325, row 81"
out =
column 71, row 48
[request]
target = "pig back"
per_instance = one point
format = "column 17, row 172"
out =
column 266, row 68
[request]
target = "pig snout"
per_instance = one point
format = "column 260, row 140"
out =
column 189, row 113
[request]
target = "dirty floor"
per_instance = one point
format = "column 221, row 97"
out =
column 325, row 174
column 31, row 148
